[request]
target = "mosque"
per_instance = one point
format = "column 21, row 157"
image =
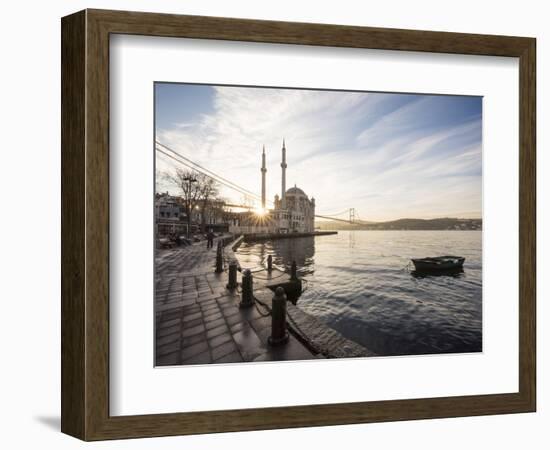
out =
column 292, row 212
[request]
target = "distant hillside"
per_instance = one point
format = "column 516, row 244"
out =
column 405, row 224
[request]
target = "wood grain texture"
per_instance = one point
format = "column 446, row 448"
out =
column 527, row 224
column 85, row 224
column 73, row 226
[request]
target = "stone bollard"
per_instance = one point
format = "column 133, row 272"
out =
column 247, row 295
column 269, row 263
column 293, row 271
column 279, row 334
column 232, row 284
column 219, row 260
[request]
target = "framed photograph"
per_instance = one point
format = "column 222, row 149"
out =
column 272, row 225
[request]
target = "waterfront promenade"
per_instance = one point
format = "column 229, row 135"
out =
column 198, row 320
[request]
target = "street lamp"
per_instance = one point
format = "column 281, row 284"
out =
column 190, row 180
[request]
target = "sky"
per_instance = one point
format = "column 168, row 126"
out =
column 387, row 155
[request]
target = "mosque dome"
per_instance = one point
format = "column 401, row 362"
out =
column 295, row 191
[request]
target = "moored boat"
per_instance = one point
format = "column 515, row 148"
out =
column 438, row 263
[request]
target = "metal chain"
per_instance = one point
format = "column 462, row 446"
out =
column 256, row 302
column 294, row 326
column 272, row 278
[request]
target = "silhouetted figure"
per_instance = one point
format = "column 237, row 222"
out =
column 210, row 239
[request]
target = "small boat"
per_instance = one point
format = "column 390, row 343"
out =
column 438, row 263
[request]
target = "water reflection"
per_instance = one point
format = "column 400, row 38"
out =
column 356, row 282
column 454, row 273
column 283, row 251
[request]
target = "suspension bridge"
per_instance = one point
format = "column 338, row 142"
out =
column 348, row 215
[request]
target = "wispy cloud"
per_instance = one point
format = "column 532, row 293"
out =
column 387, row 155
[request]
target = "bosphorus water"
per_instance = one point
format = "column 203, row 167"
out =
column 358, row 283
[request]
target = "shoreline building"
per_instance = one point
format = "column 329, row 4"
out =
column 170, row 219
column 293, row 211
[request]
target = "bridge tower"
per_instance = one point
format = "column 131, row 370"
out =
column 351, row 215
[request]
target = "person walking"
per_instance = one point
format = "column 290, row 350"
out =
column 210, row 239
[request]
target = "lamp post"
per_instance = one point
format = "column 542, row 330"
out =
column 190, row 180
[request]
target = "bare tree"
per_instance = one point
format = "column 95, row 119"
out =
column 197, row 191
column 217, row 208
column 187, row 182
column 208, row 192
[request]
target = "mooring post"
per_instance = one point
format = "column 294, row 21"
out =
column 219, row 259
column 279, row 334
column 269, row 263
column 247, row 295
column 293, row 271
column 232, row 283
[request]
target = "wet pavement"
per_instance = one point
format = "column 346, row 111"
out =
column 198, row 320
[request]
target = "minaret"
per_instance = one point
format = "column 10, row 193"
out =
column 283, row 180
column 263, row 170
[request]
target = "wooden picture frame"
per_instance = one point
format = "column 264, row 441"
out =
column 85, row 224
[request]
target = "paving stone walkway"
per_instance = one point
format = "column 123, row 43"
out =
column 198, row 320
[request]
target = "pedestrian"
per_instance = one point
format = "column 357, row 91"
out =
column 210, row 239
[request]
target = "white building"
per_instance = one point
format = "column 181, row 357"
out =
column 292, row 212
column 169, row 215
